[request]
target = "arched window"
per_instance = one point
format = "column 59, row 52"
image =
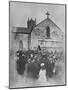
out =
column 48, row 31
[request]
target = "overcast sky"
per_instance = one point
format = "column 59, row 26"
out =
column 19, row 13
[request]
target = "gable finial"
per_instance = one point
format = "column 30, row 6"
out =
column 47, row 14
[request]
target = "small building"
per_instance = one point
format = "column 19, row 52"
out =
column 22, row 35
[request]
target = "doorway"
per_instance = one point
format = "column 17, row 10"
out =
column 20, row 45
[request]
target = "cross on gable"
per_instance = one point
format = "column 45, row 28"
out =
column 47, row 14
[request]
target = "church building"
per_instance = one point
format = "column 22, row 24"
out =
column 45, row 34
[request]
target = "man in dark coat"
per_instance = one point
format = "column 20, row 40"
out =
column 21, row 62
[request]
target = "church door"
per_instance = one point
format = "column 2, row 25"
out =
column 20, row 45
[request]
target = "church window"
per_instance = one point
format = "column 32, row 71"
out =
column 48, row 31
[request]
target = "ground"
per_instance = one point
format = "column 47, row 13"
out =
column 17, row 80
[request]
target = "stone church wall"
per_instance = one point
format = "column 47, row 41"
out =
column 16, row 45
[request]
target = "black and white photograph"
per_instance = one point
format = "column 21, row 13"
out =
column 37, row 44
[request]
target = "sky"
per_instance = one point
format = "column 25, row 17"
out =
column 19, row 13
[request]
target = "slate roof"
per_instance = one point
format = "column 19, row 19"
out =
column 47, row 21
column 25, row 30
column 22, row 30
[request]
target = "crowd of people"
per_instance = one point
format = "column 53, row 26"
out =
column 37, row 60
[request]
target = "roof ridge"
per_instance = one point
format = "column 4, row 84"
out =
column 51, row 21
column 41, row 21
column 54, row 23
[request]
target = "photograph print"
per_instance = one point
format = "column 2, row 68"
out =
column 37, row 44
